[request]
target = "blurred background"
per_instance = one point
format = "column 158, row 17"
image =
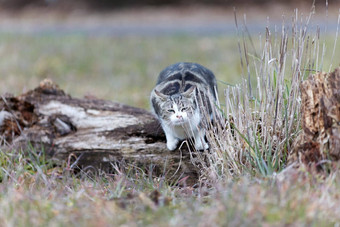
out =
column 114, row 4
column 115, row 49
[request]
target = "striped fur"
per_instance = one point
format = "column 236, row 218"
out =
column 175, row 101
column 179, row 77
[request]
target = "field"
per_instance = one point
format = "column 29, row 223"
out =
column 263, row 191
column 122, row 69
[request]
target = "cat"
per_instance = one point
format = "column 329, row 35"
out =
column 181, row 93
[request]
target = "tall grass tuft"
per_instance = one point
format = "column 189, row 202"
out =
column 260, row 117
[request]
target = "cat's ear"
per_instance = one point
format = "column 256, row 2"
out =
column 189, row 92
column 160, row 95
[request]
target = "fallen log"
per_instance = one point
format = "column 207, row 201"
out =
column 94, row 132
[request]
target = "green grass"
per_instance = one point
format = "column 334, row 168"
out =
column 120, row 69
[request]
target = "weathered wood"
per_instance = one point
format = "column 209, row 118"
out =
column 97, row 132
column 320, row 109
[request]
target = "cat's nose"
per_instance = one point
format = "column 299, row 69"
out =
column 178, row 116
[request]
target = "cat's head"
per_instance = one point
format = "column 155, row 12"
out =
column 177, row 109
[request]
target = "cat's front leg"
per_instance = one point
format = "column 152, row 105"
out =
column 171, row 142
column 200, row 143
column 171, row 139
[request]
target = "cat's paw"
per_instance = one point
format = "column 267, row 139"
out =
column 171, row 144
column 201, row 146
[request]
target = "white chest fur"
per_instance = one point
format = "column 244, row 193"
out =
column 176, row 131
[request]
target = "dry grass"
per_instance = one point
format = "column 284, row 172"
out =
column 260, row 117
column 34, row 193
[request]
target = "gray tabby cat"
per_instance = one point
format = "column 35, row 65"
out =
column 177, row 100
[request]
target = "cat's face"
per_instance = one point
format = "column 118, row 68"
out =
column 178, row 110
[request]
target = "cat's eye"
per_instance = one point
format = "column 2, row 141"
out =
column 171, row 111
column 184, row 109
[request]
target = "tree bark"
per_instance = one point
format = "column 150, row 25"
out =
column 93, row 132
column 320, row 109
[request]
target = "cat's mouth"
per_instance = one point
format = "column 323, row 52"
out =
column 179, row 122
